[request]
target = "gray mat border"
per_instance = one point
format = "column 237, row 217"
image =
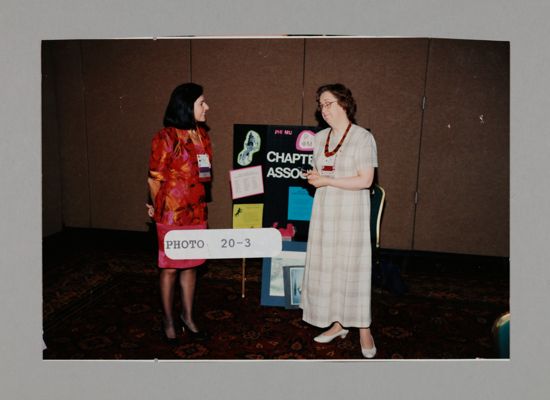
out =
column 23, row 374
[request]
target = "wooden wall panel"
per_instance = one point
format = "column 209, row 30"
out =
column 246, row 81
column 386, row 77
column 71, row 117
column 110, row 97
column 128, row 84
column 464, row 172
column 52, row 213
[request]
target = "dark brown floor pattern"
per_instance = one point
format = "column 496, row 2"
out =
column 101, row 301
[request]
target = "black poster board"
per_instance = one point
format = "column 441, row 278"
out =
column 283, row 151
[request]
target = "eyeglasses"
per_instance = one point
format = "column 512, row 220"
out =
column 321, row 106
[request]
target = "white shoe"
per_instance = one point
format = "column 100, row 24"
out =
column 369, row 353
column 328, row 338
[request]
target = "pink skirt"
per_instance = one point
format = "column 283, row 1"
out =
column 164, row 261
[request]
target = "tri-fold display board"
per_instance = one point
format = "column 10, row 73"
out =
column 268, row 178
column 269, row 189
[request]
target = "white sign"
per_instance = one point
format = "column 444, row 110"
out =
column 192, row 244
column 246, row 182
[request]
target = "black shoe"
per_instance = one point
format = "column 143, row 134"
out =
column 170, row 341
column 197, row 335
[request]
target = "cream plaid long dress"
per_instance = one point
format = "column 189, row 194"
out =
column 337, row 277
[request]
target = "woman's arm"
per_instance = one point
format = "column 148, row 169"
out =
column 161, row 148
column 362, row 180
column 154, row 187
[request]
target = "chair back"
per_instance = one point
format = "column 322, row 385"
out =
column 501, row 334
column 377, row 199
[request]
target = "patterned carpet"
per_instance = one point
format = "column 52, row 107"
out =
column 101, row 301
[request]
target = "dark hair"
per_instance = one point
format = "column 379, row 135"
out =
column 180, row 112
column 344, row 97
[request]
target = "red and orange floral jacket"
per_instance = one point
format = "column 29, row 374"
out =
column 181, row 198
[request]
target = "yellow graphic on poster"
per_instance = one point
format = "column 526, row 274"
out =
column 247, row 215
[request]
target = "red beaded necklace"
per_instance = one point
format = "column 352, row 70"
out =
column 333, row 152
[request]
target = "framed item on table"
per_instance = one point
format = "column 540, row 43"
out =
column 292, row 278
column 273, row 285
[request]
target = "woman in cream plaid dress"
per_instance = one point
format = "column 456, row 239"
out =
column 336, row 289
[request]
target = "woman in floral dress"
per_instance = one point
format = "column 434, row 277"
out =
column 179, row 166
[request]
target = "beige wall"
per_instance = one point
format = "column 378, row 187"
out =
column 387, row 80
column 248, row 82
column 104, row 100
column 464, row 174
column 52, row 214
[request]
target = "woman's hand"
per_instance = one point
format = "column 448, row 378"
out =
column 150, row 210
column 154, row 187
column 362, row 180
column 314, row 179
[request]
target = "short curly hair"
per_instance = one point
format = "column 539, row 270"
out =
column 343, row 96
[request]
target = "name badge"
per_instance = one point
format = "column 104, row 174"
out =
column 328, row 166
column 204, row 167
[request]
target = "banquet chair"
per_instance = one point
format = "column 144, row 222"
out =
column 377, row 199
column 501, row 335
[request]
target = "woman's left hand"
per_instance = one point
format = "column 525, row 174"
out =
column 150, row 210
column 316, row 180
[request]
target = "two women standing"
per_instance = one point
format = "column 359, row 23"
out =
column 336, row 288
